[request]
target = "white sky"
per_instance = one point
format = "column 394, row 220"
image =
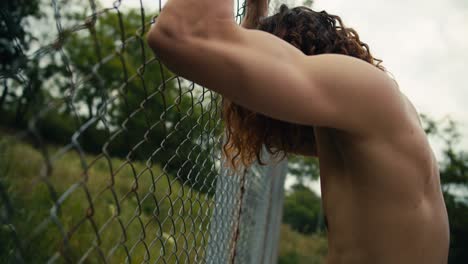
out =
column 423, row 43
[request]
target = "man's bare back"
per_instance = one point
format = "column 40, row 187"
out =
column 382, row 197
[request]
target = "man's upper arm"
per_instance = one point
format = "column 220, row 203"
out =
column 365, row 98
column 268, row 75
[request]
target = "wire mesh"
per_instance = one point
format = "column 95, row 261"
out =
column 108, row 157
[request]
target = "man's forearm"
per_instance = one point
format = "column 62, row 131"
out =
column 256, row 9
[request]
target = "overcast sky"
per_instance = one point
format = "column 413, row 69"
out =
column 423, row 43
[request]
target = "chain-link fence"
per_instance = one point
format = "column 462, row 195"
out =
column 107, row 157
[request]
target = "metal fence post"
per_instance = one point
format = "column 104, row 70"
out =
column 277, row 173
column 245, row 223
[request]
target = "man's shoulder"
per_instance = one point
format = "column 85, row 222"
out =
column 358, row 96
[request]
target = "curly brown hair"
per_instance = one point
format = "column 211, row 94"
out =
column 313, row 33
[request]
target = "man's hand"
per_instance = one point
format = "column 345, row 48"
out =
column 256, row 9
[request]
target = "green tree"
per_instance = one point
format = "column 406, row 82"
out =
column 302, row 209
column 303, row 168
column 14, row 39
column 147, row 116
column 454, row 179
column 98, row 83
column 29, row 58
column 17, row 90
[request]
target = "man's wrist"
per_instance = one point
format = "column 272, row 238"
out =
column 258, row 10
column 253, row 15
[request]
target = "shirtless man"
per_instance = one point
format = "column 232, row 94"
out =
column 302, row 69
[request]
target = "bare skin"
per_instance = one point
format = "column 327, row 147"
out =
column 382, row 198
column 380, row 181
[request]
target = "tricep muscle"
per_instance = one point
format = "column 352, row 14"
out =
column 268, row 75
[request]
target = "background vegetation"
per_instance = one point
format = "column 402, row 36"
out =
column 122, row 215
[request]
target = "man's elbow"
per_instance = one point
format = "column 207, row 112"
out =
column 161, row 35
column 173, row 32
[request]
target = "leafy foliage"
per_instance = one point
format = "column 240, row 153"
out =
column 13, row 37
column 104, row 76
column 303, row 168
column 454, row 179
column 302, row 209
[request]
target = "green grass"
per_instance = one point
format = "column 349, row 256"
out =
column 108, row 207
column 297, row 248
column 114, row 207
